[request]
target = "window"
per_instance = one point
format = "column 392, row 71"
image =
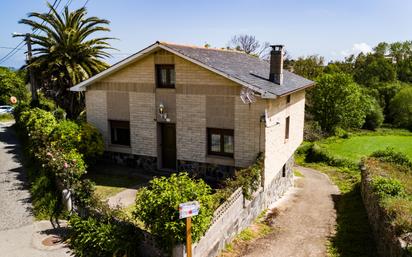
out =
column 220, row 142
column 284, row 171
column 288, row 99
column 120, row 132
column 165, row 76
column 287, row 125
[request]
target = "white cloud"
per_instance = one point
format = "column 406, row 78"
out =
column 361, row 48
column 356, row 49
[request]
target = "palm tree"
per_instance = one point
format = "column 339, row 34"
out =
column 65, row 53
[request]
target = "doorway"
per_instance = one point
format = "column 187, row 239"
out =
column 168, row 145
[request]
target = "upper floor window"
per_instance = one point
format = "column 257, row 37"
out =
column 288, row 99
column 120, row 132
column 287, row 128
column 220, row 142
column 165, row 76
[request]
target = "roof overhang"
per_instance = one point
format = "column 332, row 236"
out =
column 152, row 48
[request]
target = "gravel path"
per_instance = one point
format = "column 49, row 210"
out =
column 15, row 204
column 304, row 222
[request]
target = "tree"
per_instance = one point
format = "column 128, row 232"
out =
column 336, row 101
column 401, row 108
column 65, row 53
column 12, row 84
column 374, row 68
column 309, row 67
column 249, row 44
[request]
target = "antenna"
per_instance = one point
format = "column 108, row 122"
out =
column 247, row 95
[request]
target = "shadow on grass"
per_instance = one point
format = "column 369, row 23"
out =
column 353, row 236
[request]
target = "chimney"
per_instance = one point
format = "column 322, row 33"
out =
column 276, row 64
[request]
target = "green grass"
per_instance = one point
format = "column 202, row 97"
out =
column 357, row 147
column 110, row 185
column 6, row 117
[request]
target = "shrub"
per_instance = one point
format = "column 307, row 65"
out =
column 400, row 209
column 158, row 207
column 85, row 138
column 385, row 187
column 45, row 197
column 38, row 124
column 374, row 116
column 401, row 108
column 249, row 178
column 91, row 144
column 389, row 155
column 318, row 154
column 66, row 135
column 103, row 236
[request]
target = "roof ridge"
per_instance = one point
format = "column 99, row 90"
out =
column 201, row 47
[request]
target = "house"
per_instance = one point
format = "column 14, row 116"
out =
column 174, row 107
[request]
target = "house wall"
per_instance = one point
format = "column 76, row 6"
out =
column 201, row 99
column 277, row 149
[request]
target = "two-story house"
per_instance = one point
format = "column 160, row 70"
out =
column 174, row 107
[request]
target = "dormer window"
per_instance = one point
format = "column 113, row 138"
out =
column 165, row 76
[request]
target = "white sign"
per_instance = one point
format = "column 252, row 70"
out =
column 188, row 209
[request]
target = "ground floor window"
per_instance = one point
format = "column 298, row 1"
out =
column 220, row 142
column 120, row 132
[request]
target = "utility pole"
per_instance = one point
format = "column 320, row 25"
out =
column 33, row 86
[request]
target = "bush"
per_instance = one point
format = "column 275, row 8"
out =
column 45, row 197
column 158, row 207
column 249, row 178
column 385, row 187
column 37, row 125
column 389, row 155
column 91, row 144
column 12, row 84
column 401, row 108
column 374, row 116
column 318, row 154
column 66, row 135
column 103, row 236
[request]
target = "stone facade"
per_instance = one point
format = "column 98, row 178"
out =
column 388, row 244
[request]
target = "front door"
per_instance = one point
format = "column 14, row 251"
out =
column 168, row 145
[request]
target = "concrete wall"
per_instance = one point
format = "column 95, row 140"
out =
column 277, row 149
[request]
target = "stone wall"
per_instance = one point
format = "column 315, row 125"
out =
column 388, row 244
column 236, row 214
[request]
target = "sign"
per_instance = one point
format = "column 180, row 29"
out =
column 188, row 209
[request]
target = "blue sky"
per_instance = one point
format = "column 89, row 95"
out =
column 330, row 28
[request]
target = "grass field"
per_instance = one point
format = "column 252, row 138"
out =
column 356, row 147
column 110, row 185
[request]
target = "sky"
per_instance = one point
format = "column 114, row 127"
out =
column 330, row 28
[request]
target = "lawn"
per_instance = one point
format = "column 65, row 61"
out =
column 110, row 185
column 356, row 147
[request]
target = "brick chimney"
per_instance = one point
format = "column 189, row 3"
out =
column 276, row 64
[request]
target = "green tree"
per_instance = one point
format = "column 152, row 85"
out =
column 158, row 207
column 336, row 101
column 401, row 108
column 65, row 53
column 12, row 84
column 309, row 67
column 374, row 68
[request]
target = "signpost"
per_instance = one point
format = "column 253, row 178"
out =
column 187, row 210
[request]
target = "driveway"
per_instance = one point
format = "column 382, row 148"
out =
column 304, row 222
column 20, row 235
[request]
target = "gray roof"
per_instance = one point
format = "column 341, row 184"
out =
column 249, row 69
